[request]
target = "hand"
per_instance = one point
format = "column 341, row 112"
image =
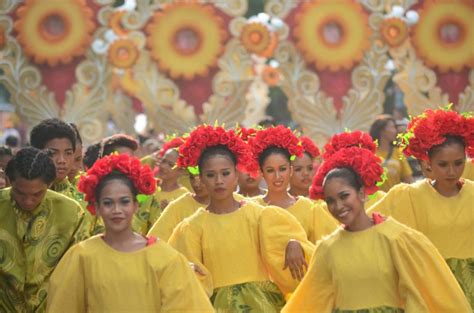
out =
column 197, row 269
column 295, row 260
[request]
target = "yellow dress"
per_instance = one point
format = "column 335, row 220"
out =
column 94, row 277
column 154, row 202
column 316, row 221
column 468, row 170
column 397, row 168
column 175, row 212
column 447, row 222
column 386, row 268
column 240, row 253
column 31, row 244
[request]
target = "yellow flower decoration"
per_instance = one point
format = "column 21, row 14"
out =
column 394, row 31
column 332, row 34
column 186, row 39
column 54, row 31
column 258, row 39
column 444, row 35
column 123, row 53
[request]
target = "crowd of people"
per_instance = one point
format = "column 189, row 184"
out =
column 241, row 220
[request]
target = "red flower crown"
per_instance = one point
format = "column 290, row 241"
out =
column 364, row 162
column 205, row 136
column 349, row 139
column 279, row 136
column 310, row 147
column 141, row 176
column 171, row 144
column 246, row 133
column 430, row 129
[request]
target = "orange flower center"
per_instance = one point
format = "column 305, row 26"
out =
column 451, row 32
column 123, row 53
column 393, row 31
column 53, row 27
column 187, row 40
column 332, row 32
column 255, row 37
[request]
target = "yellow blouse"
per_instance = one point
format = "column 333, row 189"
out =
column 94, row 277
column 384, row 268
column 155, row 202
column 31, row 244
column 397, row 168
column 316, row 221
column 246, row 245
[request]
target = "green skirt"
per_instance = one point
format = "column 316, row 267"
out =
column 463, row 270
column 382, row 309
column 258, row 297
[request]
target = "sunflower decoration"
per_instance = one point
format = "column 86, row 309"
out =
column 270, row 75
column 54, row 31
column 258, row 38
column 186, row 39
column 394, row 31
column 444, row 34
column 123, row 53
column 332, row 34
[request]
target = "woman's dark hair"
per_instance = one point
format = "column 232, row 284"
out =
column 91, row 155
column 216, row 150
column 450, row 140
column 272, row 150
column 50, row 129
column 115, row 175
column 379, row 125
column 31, row 163
column 5, row 151
column 110, row 144
column 76, row 131
column 348, row 174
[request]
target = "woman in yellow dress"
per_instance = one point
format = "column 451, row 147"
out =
column 122, row 271
column 440, row 207
column 303, row 168
column 37, row 226
column 274, row 148
column 397, row 168
column 370, row 264
column 240, row 250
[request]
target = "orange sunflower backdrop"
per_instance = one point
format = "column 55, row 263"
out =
column 333, row 37
column 186, row 39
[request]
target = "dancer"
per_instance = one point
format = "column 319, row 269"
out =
column 122, row 271
column 371, row 264
column 440, row 207
column 303, row 168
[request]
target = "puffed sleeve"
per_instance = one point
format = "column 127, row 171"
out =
column 180, row 289
column 396, row 203
column 426, row 283
column 324, row 223
column 66, row 290
column 276, row 228
column 187, row 240
column 164, row 226
column 316, row 292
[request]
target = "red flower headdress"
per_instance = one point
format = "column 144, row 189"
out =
column 310, row 147
column 205, row 136
column 279, row 136
column 430, row 129
column 141, row 176
column 349, row 139
column 246, row 133
column 171, row 144
column 364, row 162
